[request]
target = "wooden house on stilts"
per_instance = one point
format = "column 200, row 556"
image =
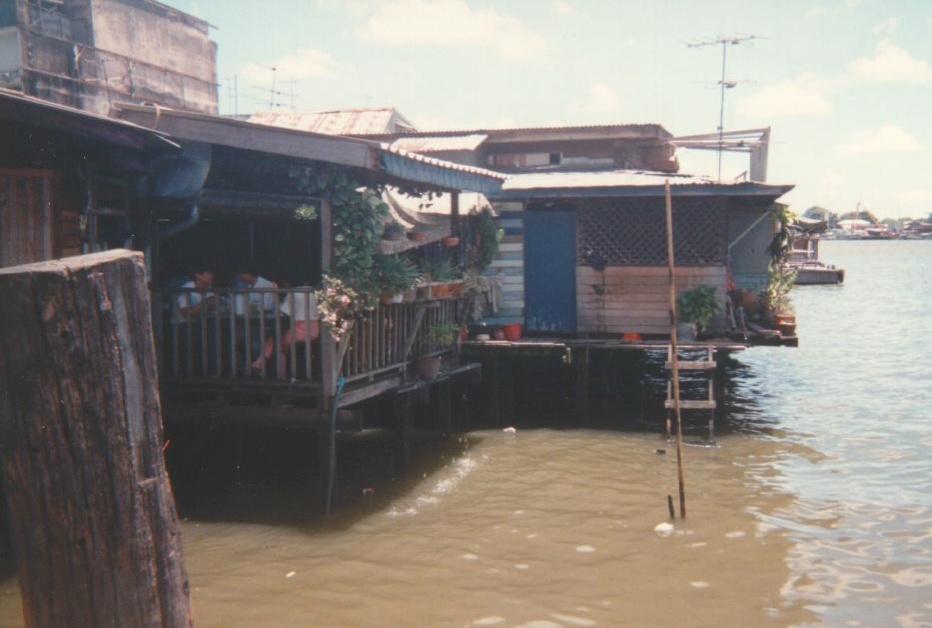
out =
column 196, row 191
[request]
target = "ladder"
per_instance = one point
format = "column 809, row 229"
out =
column 706, row 366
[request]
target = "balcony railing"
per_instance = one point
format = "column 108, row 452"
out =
column 270, row 337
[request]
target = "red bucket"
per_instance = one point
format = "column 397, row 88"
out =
column 512, row 331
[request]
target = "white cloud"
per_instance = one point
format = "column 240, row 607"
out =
column 915, row 196
column 301, row 64
column 803, row 96
column 562, row 7
column 886, row 139
column 816, row 11
column 886, row 28
column 450, row 23
column 602, row 99
column 891, row 65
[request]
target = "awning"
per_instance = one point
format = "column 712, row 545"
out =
column 380, row 161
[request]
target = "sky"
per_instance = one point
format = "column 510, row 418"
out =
column 844, row 85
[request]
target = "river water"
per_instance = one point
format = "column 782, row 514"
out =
column 814, row 508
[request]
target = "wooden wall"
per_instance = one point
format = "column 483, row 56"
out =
column 635, row 299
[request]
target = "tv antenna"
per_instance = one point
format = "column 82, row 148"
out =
column 724, row 83
column 272, row 91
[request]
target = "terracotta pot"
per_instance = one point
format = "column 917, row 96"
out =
column 450, row 241
column 428, row 366
column 512, row 331
column 417, row 236
column 787, row 329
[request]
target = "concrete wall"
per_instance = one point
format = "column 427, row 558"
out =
column 176, row 61
column 10, row 57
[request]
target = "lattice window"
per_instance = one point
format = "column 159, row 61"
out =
column 632, row 232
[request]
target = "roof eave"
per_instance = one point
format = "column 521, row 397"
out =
column 744, row 190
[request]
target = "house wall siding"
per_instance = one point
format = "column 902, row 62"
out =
column 636, row 299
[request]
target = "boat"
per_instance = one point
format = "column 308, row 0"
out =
column 804, row 258
column 814, row 272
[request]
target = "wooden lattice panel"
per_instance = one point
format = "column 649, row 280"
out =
column 632, row 232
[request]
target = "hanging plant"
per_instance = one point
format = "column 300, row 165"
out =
column 358, row 218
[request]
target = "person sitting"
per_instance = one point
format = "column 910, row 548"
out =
column 190, row 304
column 301, row 308
column 252, row 302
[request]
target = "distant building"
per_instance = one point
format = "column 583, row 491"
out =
column 91, row 54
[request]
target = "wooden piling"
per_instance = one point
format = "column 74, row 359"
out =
column 673, row 351
column 92, row 514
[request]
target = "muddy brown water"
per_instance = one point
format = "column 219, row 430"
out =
column 813, row 509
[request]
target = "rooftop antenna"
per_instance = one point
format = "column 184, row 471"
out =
column 233, row 94
column 272, row 92
column 724, row 42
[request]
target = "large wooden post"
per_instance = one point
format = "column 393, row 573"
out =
column 92, row 515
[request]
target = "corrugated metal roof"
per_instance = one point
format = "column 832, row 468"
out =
column 502, row 130
column 372, row 156
column 374, row 121
column 628, row 183
column 604, row 178
column 437, row 144
column 23, row 109
column 405, row 165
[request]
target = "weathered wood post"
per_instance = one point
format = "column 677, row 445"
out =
column 92, row 515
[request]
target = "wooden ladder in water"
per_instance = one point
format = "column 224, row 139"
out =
column 708, row 404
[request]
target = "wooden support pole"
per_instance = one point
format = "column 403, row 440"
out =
column 581, row 362
column 92, row 514
column 673, row 351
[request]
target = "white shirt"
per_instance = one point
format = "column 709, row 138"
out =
column 253, row 299
column 300, row 306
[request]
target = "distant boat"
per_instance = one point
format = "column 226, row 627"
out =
column 815, row 273
column 804, row 259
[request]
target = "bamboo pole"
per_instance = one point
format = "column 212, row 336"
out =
column 674, row 359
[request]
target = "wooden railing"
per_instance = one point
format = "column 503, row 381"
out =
column 230, row 342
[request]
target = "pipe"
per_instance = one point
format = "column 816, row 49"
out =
column 332, row 455
column 193, row 217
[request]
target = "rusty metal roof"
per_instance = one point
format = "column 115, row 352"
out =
column 387, row 162
column 363, row 121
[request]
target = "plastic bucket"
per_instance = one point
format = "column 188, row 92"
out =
column 512, row 331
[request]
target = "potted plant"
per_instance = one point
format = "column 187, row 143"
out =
column 698, row 307
column 775, row 297
column 393, row 231
column 440, row 274
column 393, row 276
column 435, row 338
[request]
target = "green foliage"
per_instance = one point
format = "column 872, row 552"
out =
column 306, row 212
column 484, row 244
column 775, row 297
column 358, row 215
column 699, row 306
column 439, row 335
column 440, row 270
column 782, row 244
column 393, row 274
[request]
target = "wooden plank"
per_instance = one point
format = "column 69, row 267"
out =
column 691, row 404
column 698, row 365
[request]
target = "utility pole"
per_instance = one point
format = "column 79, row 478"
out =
column 724, row 42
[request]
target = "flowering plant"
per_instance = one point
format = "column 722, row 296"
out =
column 336, row 304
